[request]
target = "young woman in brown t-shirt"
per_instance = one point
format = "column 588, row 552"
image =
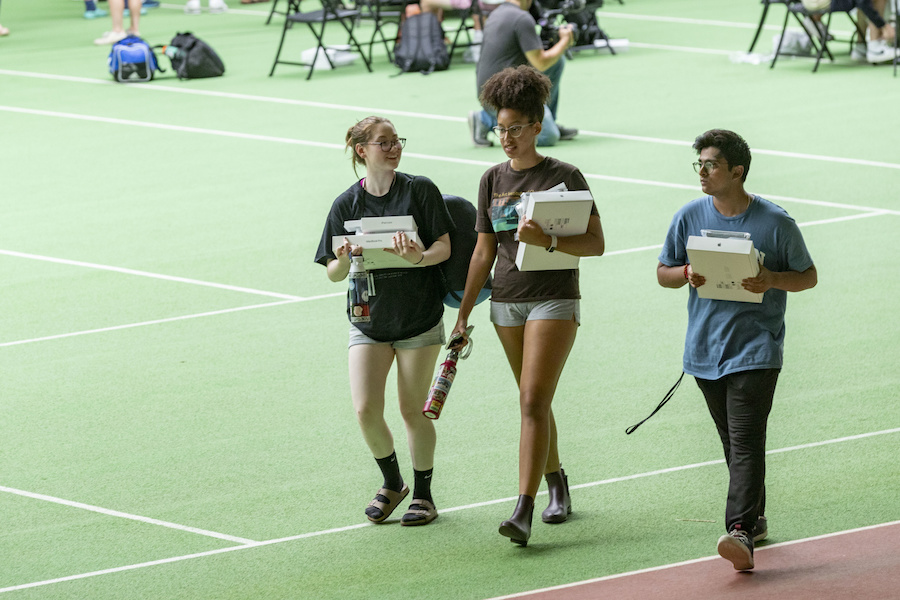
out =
column 535, row 313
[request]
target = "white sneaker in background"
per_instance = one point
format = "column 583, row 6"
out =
column 878, row 52
column 110, row 37
column 192, row 7
column 217, row 6
column 858, row 52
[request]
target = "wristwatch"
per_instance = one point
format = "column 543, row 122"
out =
column 552, row 246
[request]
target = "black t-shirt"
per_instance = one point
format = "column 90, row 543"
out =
column 407, row 302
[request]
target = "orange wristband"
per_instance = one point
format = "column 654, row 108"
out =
column 685, row 272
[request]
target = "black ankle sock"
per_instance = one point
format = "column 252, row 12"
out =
column 391, row 471
column 422, row 490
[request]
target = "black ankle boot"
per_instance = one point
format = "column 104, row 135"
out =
column 560, row 506
column 518, row 527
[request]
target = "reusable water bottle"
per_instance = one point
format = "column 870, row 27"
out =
column 359, row 291
column 440, row 387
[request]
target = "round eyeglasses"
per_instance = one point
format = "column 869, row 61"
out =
column 514, row 131
column 388, row 145
column 709, row 165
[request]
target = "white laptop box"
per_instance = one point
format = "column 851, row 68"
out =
column 375, row 234
column 559, row 213
column 724, row 262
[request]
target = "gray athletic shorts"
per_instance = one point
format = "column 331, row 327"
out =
column 514, row 314
column 433, row 336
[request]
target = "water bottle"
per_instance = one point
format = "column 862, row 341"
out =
column 359, row 291
column 440, row 387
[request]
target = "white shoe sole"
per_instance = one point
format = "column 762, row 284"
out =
column 734, row 551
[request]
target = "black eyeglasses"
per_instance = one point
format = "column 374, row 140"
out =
column 387, row 146
column 709, row 165
column 515, row 131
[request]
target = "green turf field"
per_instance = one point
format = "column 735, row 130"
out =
column 176, row 420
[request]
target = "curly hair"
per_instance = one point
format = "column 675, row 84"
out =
column 523, row 89
column 731, row 146
column 360, row 134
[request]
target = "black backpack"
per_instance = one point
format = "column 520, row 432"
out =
column 462, row 243
column 192, row 58
column 421, row 46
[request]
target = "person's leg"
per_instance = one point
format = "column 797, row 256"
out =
column 537, row 353
column 116, row 12
column 715, row 394
column 554, row 73
column 414, row 372
column 549, row 134
column 134, row 7
column 749, row 403
column 369, row 366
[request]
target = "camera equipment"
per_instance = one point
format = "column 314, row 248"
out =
column 579, row 13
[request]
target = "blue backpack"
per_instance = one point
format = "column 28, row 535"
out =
column 132, row 59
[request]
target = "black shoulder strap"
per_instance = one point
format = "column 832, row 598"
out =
column 668, row 397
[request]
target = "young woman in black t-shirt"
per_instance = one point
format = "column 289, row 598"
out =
column 406, row 311
column 535, row 313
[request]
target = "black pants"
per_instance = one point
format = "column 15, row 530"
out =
column 740, row 404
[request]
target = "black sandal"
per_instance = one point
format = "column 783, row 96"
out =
column 420, row 512
column 384, row 503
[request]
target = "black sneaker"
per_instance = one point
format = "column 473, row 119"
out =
column 761, row 530
column 737, row 547
column 566, row 133
column 478, row 130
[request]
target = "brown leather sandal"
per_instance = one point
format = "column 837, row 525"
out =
column 386, row 501
column 420, row 512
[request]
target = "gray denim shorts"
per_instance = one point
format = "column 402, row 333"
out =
column 433, row 336
column 514, row 314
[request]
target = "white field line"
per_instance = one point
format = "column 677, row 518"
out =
column 392, row 112
column 336, row 294
column 126, row 271
column 292, row 538
column 690, row 562
column 443, row 159
column 153, row 322
column 122, row 515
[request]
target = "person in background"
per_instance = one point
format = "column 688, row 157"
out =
column 405, row 309
column 91, row 11
column 536, row 314
column 510, row 40
column 734, row 349
column 117, row 12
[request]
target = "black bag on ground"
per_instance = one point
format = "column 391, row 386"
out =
column 462, row 243
column 421, row 46
column 192, row 58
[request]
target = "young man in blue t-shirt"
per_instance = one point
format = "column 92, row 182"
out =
column 734, row 349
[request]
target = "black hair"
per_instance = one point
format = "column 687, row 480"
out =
column 730, row 145
column 523, row 89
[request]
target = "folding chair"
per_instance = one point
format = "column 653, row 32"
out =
column 762, row 19
column 466, row 26
column 332, row 10
column 819, row 38
column 273, row 11
column 383, row 13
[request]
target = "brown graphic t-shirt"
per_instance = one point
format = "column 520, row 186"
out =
column 499, row 192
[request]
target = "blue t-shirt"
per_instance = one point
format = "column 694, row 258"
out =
column 723, row 336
